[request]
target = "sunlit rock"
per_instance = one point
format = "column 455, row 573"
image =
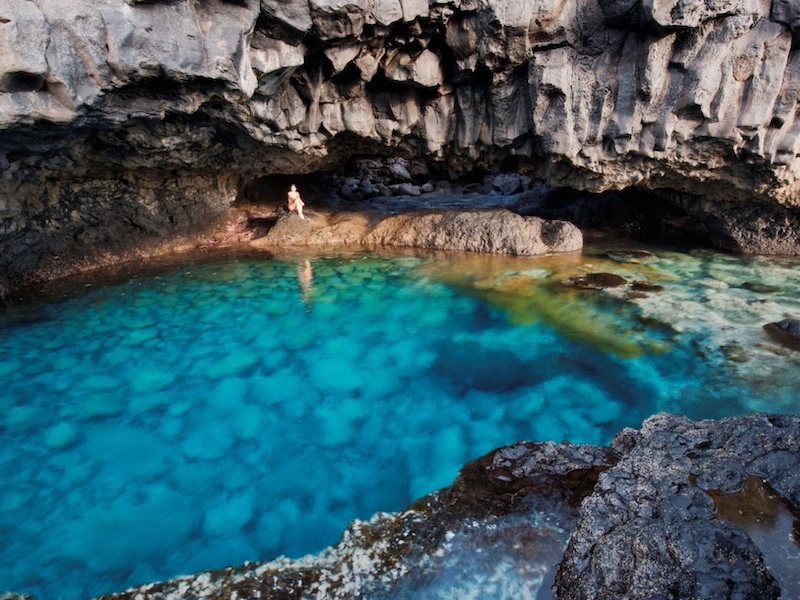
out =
column 494, row 231
column 681, row 469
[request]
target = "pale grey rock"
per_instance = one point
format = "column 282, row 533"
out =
column 341, row 56
column 405, row 189
column 358, row 117
column 412, row 9
column 295, row 13
column 679, row 13
column 399, row 171
column 268, row 55
column 23, row 42
column 424, row 70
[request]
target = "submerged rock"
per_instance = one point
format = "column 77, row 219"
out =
column 632, row 256
column 677, row 509
column 760, row 288
column 596, row 281
column 646, row 286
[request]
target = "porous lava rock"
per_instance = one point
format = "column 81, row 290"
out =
column 650, row 529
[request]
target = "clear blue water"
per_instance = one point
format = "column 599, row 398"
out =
column 241, row 410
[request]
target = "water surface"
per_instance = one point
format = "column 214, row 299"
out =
column 240, row 410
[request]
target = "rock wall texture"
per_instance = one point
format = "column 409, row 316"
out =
column 102, row 99
column 678, row 509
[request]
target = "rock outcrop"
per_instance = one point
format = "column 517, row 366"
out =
column 786, row 332
column 691, row 503
column 127, row 121
column 497, row 231
column 679, row 509
column 515, row 505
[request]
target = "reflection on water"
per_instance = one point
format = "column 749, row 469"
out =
column 203, row 416
column 305, row 275
column 772, row 524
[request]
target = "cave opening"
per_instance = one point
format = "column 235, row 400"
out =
column 649, row 216
column 270, row 190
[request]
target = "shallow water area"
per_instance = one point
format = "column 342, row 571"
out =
column 239, row 410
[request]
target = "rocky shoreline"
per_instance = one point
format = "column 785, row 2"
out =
column 342, row 213
column 703, row 506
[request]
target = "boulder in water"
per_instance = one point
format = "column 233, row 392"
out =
column 785, row 332
column 498, row 231
column 596, row 281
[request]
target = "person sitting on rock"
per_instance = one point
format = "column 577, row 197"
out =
column 295, row 201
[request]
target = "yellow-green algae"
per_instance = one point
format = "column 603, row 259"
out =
column 532, row 290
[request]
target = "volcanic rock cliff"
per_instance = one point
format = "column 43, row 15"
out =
column 129, row 121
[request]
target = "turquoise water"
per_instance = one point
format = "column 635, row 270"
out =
column 245, row 409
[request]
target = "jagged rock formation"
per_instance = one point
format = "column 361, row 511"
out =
column 122, row 122
column 690, row 501
column 678, row 509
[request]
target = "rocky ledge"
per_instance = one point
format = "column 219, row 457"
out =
column 478, row 230
column 678, row 509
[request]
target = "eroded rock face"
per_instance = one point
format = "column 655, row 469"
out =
column 697, row 98
column 678, row 509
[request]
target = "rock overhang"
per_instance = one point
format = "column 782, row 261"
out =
column 594, row 96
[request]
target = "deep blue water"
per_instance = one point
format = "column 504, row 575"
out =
column 250, row 408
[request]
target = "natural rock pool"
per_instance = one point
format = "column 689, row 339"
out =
column 238, row 410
